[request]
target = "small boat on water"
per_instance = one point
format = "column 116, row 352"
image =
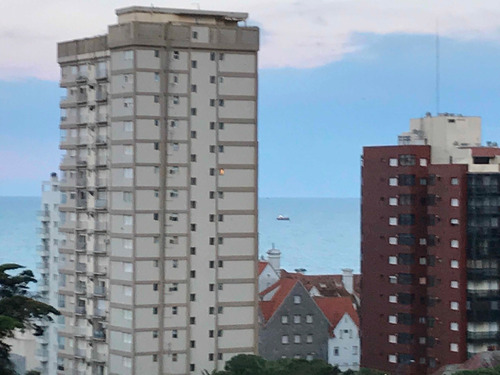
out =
column 281, row 217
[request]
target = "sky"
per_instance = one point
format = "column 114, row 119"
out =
column 334, row 76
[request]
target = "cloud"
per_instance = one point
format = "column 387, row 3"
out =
column 295, row 33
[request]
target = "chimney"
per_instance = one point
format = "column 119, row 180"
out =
column 347, row 280
column 274, row 259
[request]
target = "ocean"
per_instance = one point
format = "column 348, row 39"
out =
column 322, row 235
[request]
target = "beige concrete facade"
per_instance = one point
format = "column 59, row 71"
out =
column 160, row 171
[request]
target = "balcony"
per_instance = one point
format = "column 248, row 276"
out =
column 81, row 246
column 81, row 267
column 80, row 353
column 100, row 270
column 101, row 96
column 80, row 310
column 68, row 182
column 100, row 291
column 79, row 331
column 102, row 118
column 99, row 334
column 98, row 357
column 101, row 74
column 483, row 336
column 66, row 266
column 81, row 224
column 99, row 313
column 43, row 232
column 81, row 181
column 68, row 161
column 101, row 203
column 81, row 97
column 43, row 250
column 43, row 216
column 101, row 225
column 42, row 355
column 101, row 182
column 81, row 289
column 101, row 140
column 484, row 293
column 100, row 249
column 43, row 288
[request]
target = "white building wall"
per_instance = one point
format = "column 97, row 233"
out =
column 344, row 348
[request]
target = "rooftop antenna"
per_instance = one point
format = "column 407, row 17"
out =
column 437, row 68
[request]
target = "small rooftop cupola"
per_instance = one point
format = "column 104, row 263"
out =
column 348, row 280
column 274, row 259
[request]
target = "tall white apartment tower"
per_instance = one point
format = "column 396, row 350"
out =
column 160, row 131
column 47, row 345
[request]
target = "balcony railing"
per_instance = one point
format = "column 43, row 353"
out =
column 80, row 353
column 81, row 267
column 483, row 293
column 43, row 215
column 42, row 354
column 80, row 310
column 101, row 225
column 100, row 249
column 100, row 270
column 80, row 331
column 99, row 334
column 483, row 335
column 99, row 312
column 101, row 203
column 81, row 289
column 81, row 245
column 99, row 290
column 98, row 357
column 43, row 250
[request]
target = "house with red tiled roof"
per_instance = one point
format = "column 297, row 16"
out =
column 343, row 343
column 291, row 323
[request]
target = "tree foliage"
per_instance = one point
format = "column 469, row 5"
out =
column 480, row 371
column 18, row 309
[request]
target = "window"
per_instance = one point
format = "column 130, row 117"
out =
column 212, row 79
column 127, row 291
column 406, row 239
column 284, row 319
column 194, row 35
column 193, row 180
column 336, row 351
column 221, row 240
column 296, row 300
column 127, row 338
column 155, row 216
column 454, row 221
column 128, row 102
column 194, row 88
column 406, row 219
column 406, row 179
column 296, row 319
column 454, row 202
column 127, row 267
column 454, row 181
column 393, row 299
column 221, row 125
column 127, row 220
column 453, row 347
column 155, row 310
column 193, row 157
column 127, row 196
column 128, row 172
column 406, row 199
column 176, row 55
column 454, row 263
column 296, row 339
column 393, row 221
column 309, row 318
column 405, row 278
column 454, row 305
column 211, row 148
column 192, row 297
column 454, row 243
column 406, row 259
column 354, row 350
column 127, row 314
column 194, row 64
column 392, row 339
column 174, row 334
column 128, row 126
column 193, row 111
column 155, row 287
column 127, row 362
column 221, row 148
column 284, row 339
column 192, row 320
column 407, row 160
column 193, row 227
column 128, row 55
column 454, row 284
column 221, row 102
column 423, row 162
column 221, row 56
column 157, row 53
column 309, row 339
column 212, row 102
column 192, row 367
column 454, row 326
column 393, row 181
column 393, row 240
column 393, row 201
column 393, row 260
column 405, row 318
column 174, row 310
column 193, row 204
column 212, row 56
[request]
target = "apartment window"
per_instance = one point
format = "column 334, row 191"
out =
column 193, row 204
column 194, row 64
column 297, row 300
column 407, row 160
column 192, row 367
column 212, row 79
column 193, row 227
column 221, row 171
column 454, row 326
column 192, row 344
column 127, row 267
column 212, row 56
column 128, row 172
column 221, row 125
column 176, row 55
column 156, row 170
column 393, row 260
column 454, row 181
column 211, row 173
column 128, row 102
column 284, row 319
column 155, row 216
column 393, row 221
column 392, row 319
column 193, row 180
column 175, row 263
column 406, row 199
column 193, row 250
column 127, row 362
column 211, row 333
column 127, row 291
column 454, row 263
column 221, row 148
column 212, row 125
column 393, row 201
column 174, row 334
column 193, row 111
column 220, row 310
column 174, row 310
column 128, row 55
column 211, row 241
column 221, row 241
column 406, row 179
column 193, row 158
column 128, row 126
column 221, row 102
column 211, row 287
column 309, row 318
column 155, row 310
column 406, row 259
column 393, row 339
column 454, row 305
column 453, row 347
column 173, row 193
column 406, row 239
column 155, row 287
column 211, row 310
column 454, row 221
column 127, row 338
column 454, row 284
column 423, row 162
column 284, row 339
column 192, row 320
column 336, row 351
column 393, row 240
column 393, row 299
column 221, row 56
column 211, row 148
column 192, row 297
column 405, row 318
column 220, row 194
column 422, row 261
column 405, row 278
column 127, row 196
column 296, row 339
column 127, row 314
column 296, row 319
column 156, row 145
column 220, row 217
column 156, row 99
column 406, row 219
column 454, row 243
column 174, row 287
column 393, row 181
column 393, row 162
column 194, row 88
column 454, row 202
column 211, row 194
column 212, row 102
column 61, row 300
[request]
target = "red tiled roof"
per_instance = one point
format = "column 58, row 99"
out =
column 262, row 266
column 334, row 309
column 489, row 152
column 327, row 285
column 284, row 287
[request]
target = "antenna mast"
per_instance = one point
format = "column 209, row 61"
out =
column 437, row 68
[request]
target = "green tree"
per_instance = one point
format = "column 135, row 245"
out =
column 18, row 310
column 480, row 371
